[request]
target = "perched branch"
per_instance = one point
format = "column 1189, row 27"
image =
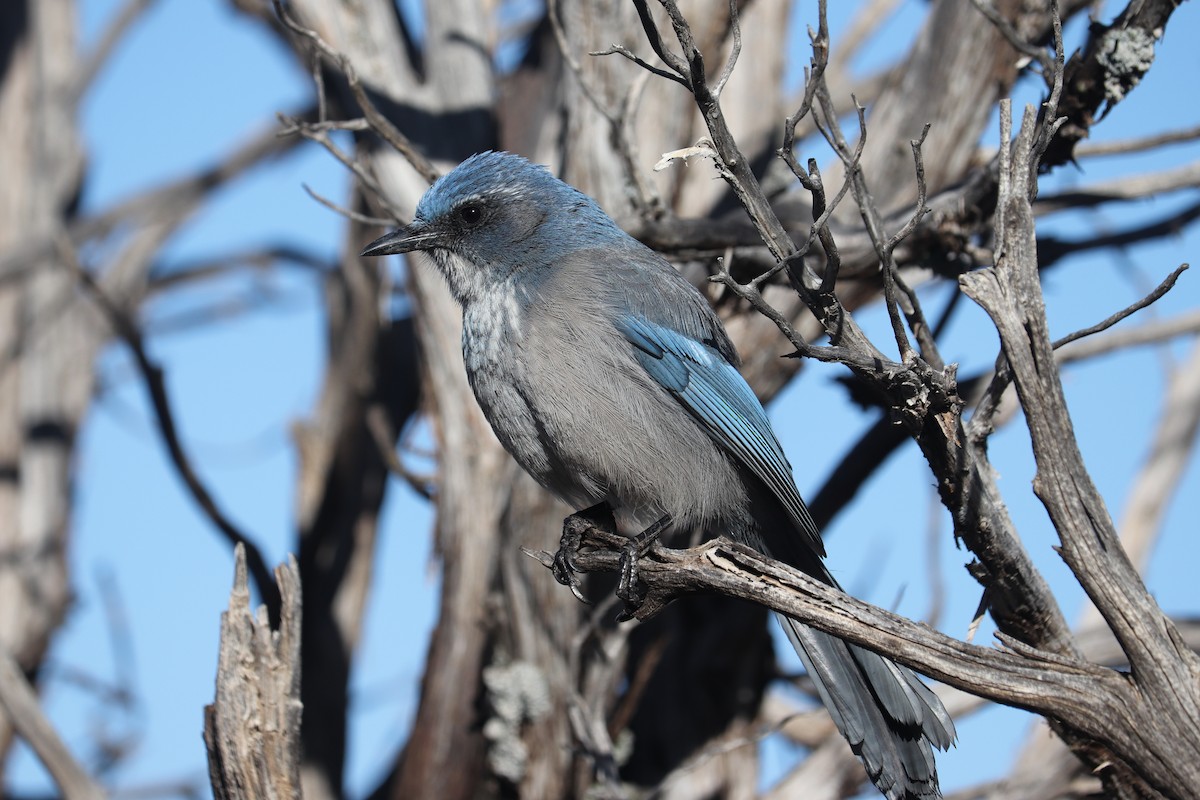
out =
column 923, row 398
column 1024, row 677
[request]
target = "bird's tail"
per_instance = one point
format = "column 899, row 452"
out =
column 887, row 715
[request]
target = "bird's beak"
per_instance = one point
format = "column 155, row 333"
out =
column 416, row 236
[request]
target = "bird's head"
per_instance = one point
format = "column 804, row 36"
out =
column 497, row 216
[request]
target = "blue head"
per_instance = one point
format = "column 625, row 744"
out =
column 498, row 217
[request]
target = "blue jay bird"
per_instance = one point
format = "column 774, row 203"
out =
column 611, row 381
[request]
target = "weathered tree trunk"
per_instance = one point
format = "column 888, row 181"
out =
column 45, row 373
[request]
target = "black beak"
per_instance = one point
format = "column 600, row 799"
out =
column 402, row 240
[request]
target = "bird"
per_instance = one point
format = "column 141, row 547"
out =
column 611, row 380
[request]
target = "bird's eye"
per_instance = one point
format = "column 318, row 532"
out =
column 470, row 213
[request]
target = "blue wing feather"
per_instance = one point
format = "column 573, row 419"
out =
column 717, row 395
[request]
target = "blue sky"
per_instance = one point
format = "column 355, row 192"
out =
column 192, row 81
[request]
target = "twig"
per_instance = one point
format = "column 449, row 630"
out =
column 1050, row 121
column 618, row 50
column 385, row 442
column 734, row 52
column 1150, row 333
column 93, row 62
column 645, row 194
column 683, row 74
column 1015, row 39
column 1167, row 285
column 321, row 137
column 348, row 213
column 379, row 123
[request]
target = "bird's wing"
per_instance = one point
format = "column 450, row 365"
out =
column 717, row 395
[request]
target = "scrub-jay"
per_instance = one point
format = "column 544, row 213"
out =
column 610, row 380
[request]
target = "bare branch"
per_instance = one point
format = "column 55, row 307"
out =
column 321, row 136
column 1011, row 294
column 1127, row 188
column 1150, row 333
column 618, row 50
column 1167, row 285
column 1014, row 38
column 19, row 703
column 680, row 68
column 379, row 123
column 734, row 52
column 170, row 200
column 1137, row 145
column 385, row 439
column 348, row 213
column 647, row 198
column 156, row 390
column 94, row 62
column 1095, row 81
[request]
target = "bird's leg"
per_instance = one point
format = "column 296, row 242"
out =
column 629, row 587
column 599, row 516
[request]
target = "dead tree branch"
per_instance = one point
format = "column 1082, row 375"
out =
column 252, row 727
column 19, row 702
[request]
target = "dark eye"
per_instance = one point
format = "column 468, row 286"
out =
column 470, row 213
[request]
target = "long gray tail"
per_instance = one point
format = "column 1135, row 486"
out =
column 886, row 714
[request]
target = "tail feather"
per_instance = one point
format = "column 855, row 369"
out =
column 882, row 709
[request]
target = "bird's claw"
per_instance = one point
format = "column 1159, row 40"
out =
column 564, row 566
column 630, row 588
column 598, row 523
column 598, row 518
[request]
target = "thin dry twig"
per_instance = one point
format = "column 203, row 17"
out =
column 385, row 441
column 348, row 213
column 1156, row 332
column 378, row 122
column 734, row 52
column 646, row 196
column 1167, row 285
column 1014, row 38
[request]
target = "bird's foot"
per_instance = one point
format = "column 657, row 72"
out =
column 629, row 586
column 595, row 519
